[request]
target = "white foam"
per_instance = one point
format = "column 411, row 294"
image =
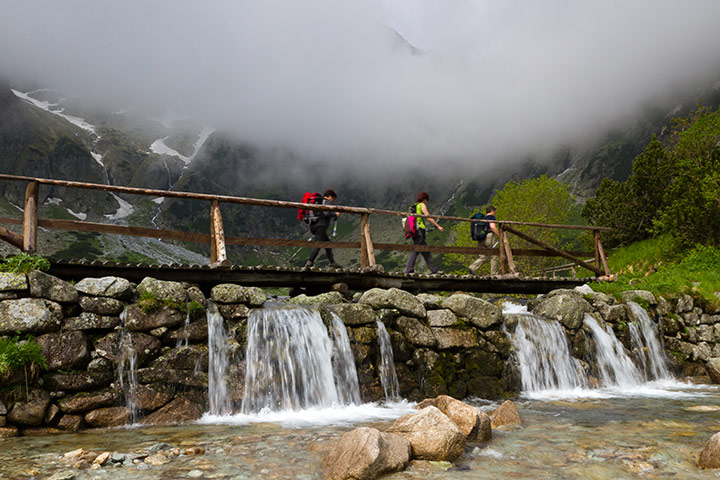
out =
column 340, row 415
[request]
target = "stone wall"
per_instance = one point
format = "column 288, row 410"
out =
column 454, row 345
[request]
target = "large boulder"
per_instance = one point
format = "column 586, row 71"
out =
column 366, row 453
column 404, row 302
column 642, row 296
column 84, row 401
column 46, row 286
column 327, row 298
column 108, row 417
column 65, row 350
column 432, row 435
column 12, row 282
column 473, row 423
column 188, row 357
column 455, row 338
column 506, row 415
column 231, row 293
column 140, row 321
column 441, row 318
column 568, row 309
column 416, row 332
column 101, row 305
column 712, row 367
column 150, row 397
column 351, row 314
column 114, row 287
column 30, row 410
column 710, row 455
column 180, row 410
column 112, row 347
column 77, row 382
column 479, row 312
column 163, row 290
column 29, row 315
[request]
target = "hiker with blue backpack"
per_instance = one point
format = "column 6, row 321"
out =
column 486, row 233
column 319, row 221
column 419, row 231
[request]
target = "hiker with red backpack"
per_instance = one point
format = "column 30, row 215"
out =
column 319, row 221
column 420, row 232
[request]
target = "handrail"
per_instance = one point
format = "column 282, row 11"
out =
column 218, row 241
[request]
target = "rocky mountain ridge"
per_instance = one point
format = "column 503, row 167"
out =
column 46, row 135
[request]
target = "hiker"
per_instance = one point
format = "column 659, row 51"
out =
column 420, row 208
column 319, row 223
column 489, row 241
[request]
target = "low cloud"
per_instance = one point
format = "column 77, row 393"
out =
column 407, row 82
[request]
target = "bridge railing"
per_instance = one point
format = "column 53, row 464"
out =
column 218, row 241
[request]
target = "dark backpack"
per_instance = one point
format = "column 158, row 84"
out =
column 308, row 215
column 479, row 230
column 410, row 222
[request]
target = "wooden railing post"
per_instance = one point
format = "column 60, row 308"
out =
column 508, row 253
column 364, row 259
column 30, row 218
column 217, row 235
column 596, row 244
column 369, row 247
column 501, row 248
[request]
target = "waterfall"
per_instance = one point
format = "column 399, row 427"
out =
column 217, row 362
column 614, row 365
column 544, row 356
column 645, row 340
column 289, row 362
column 388, row 377
column 343, row 364
column 127, row 381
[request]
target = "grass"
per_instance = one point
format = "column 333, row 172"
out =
column 658, row 266
column 24, row 263
column 20, row 355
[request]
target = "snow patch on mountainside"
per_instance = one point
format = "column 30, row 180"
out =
column 159, row 146
column 125, row 209
column 54, row 109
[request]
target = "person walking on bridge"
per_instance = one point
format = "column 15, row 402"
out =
column 319, row 223
column 489, row 241
column 420, row 208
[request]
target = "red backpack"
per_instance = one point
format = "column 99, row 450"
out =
column 307, row 215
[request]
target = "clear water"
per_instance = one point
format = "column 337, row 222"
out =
column 218, row 362
column 388, row 376
column 654, row 433
column 126, row 371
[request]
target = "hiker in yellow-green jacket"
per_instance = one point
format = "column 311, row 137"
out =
column 421, row 233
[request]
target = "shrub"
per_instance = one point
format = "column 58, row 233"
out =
column 24, row 263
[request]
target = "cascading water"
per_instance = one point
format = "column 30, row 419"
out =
column 217, row 363
column 614, row 365
column 127, row 359
column 543, row 354
column 289, row 362
column 645, row 339
column 388, row 376
column 344, row 364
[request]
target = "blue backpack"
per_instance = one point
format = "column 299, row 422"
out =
column 479, row 230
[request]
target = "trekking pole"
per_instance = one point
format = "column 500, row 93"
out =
column 335, row 229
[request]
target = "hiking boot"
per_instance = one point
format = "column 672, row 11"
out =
column 473, row 270
column 308, row 264
column 334, row 265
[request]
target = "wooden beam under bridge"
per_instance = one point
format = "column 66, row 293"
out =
column 314, row 279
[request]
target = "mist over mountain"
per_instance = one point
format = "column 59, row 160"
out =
column 375, row 99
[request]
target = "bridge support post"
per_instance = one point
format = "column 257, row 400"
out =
column 217, row 235
column 367, row 250
column 30, row 218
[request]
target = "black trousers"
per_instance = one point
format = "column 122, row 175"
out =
column 419, row 239
column 319, row 231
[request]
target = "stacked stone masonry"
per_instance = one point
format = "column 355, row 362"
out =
column 453, row 345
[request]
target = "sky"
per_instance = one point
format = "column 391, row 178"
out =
column 485, row 81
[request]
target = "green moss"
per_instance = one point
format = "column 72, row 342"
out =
column 148, row 302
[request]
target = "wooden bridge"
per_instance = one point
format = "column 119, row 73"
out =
column 368, row 275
